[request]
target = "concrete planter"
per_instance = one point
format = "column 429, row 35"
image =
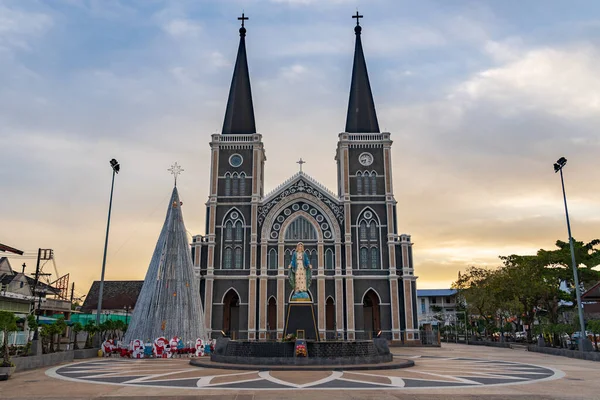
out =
column 504, row 345
column 590, row 355
column 85, row 353
column 8, row 371
column 44, row 360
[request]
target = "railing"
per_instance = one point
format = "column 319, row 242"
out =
column 364, row 137
column 369, row 335
column 430, row 338
column 15, row 338
column 236, row 138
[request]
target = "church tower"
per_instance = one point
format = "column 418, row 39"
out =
column 236, row 186
column 373, row 247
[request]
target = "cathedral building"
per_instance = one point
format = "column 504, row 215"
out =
column 363, row 276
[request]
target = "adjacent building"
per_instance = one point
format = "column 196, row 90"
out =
column 435, row 302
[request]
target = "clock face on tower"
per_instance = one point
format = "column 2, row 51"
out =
column 235, row 160
column 365, row 159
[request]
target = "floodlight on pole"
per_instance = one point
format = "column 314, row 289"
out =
column 558, row 167
column 116, row 168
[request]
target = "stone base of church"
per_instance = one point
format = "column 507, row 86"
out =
column 301, row 318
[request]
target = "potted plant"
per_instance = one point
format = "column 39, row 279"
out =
column 8, row 323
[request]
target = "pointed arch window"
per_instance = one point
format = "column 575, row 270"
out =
column 242, row 184
column 374, row 257
column 374, row 182
column 359, row 182
column 227, row 184
column 238, row 258
column 369, row 240
column 366, row 182
column 239, row 231
column 228, row 231
column 328, row 259
column 363, row 230
column 313, row 259
column 364, row 257
column 272, row 259
column 227, row 258
column 232, row 240
column 235, row 184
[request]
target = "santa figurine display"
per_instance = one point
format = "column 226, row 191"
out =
column 199, row 347
column 137, row 346
column 160, row 345
column 107, row 347
column 173, row 346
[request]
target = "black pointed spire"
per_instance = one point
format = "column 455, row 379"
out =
column 362, row 117
column 239, row 116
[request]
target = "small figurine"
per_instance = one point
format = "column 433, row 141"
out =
column 160, row 347
column 199, row 347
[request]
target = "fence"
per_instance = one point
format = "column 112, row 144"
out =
column 15, row 338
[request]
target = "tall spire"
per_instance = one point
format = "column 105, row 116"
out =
column 239, row 116
column 362, row 117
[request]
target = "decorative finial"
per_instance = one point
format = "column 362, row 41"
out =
column 300, row 161
column 175, row 170
column 357, row 28
column 242, row 29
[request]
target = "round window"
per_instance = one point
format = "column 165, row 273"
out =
column 235, row 160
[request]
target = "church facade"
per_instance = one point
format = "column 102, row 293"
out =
column 363, row 276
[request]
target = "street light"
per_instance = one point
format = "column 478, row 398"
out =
column 126, row 308
column 115, row 167
column 558, row 167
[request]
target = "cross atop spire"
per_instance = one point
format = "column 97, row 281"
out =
column 175, row 171
column 357, row 16
column 243, row 18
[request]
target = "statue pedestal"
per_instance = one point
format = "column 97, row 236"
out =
column 301, row 316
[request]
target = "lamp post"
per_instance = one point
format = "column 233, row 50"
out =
column 126, row 308
column 115, row 167
column 558, row 167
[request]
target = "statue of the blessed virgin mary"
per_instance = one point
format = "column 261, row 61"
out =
column 300, row 273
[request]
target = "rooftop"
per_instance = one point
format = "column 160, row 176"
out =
column 435, row 292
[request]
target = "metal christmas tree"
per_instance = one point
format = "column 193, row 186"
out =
column 169, row 302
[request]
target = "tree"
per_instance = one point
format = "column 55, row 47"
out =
column 58, row 328
column 594, row 326
column 76, row 328
column 8, row 323
column 90, row 328
column 527, row 285
column 480, row 289
column 32, row 324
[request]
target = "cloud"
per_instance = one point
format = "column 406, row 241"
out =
column 17, row 28
column 564, row 82
column 181, row 28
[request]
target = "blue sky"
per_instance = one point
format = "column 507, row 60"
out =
column 481, row 98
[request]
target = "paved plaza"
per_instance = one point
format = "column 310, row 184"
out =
column 454, row 371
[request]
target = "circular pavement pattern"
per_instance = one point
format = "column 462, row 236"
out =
column 430, row 372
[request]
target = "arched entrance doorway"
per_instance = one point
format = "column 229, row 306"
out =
column 330, row 318
column 231, row 314
column 272, row 319
column 372, row 322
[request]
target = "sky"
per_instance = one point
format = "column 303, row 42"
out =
column 481, row 98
